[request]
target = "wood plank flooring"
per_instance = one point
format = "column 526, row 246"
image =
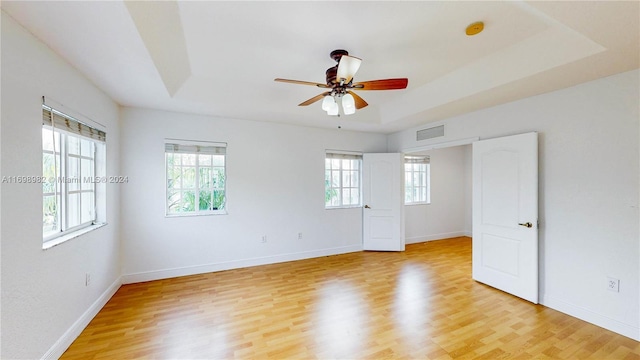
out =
column 419, row 304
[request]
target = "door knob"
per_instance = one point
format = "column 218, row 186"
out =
column 367, row 207
column 527, row 224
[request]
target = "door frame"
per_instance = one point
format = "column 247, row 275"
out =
column 438, row 145
column 441, row 145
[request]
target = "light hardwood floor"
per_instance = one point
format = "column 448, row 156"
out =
column 421, row 303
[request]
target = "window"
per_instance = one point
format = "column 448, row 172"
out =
column 196, row 177
column 342, row 180
column 417, row 182
column 70, row 173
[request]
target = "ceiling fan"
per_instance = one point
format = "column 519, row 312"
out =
column 340, row 83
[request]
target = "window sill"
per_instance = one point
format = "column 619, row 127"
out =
column 343, row 207
column 417, row 203
column 64, row 238
column 195, row 214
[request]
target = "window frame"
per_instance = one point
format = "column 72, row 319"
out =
column 423, row 160
column 331, row 155
column 62, row 182
column 209, row 148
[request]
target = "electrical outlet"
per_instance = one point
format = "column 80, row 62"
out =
column 613, row 284
column 87, row 279
column 264, row 238
column 300, row 236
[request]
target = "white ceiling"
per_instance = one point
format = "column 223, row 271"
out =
column 220, row 58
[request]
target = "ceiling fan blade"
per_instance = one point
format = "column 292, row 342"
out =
column 347, row 68
column 385, row 84
column 299, row 82
column 360, row 103
column 314, row 99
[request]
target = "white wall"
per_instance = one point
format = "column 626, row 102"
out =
column 45, row 302
column 450, row 206
column 589, row 158
column 275, row 187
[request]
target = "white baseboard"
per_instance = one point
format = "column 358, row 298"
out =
column 592, row 317
column 419, row 239
column 60, row 346
column 227, row 265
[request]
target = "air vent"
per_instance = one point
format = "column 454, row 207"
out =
column 430, row 133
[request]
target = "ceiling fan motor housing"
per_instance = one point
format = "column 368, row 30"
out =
column 332, row 73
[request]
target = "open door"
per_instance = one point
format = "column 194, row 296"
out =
column 383, row 212
column 505, row 214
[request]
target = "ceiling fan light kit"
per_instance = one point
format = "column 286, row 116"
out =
column 330, row 105
column 347, row 68
column 339, row 80
column 348, row 104
column 327, row 102
column 333, row 109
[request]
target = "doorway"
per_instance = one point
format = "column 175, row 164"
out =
column 448, row 213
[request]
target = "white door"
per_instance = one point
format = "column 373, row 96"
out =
column 383, row 212
column 505, row 214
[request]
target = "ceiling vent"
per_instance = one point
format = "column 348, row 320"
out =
column 430, row 133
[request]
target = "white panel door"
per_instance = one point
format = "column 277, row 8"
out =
column 505, row 214
column 383, row 212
